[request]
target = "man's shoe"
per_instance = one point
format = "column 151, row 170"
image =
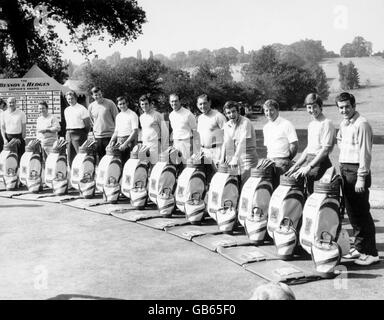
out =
column 367, row 260
column 353, row 254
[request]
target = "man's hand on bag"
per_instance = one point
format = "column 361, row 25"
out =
column 360, row 186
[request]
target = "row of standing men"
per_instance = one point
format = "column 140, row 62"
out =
column 232, row 142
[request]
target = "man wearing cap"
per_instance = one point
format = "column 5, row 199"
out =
column 355, row 139
column 14, row 125
column 280, row 138
column 103, row 113
column 183, row 123
column 210, row 128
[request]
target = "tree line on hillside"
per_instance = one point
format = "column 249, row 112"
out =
column 298, row 52
column 132, row 78
column 269, row 74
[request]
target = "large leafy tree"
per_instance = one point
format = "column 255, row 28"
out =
column 358, row 48
column 31, row 38
column 283, row 77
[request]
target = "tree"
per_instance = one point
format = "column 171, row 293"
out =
column 349, row 76
column 322, row 87
column 179, row 82
column 71, row 67
column 113, row 59
column 288, row 56
column 139, row 56
column 362, row 47
column 331, row 54
column 229, row 55
column 131, row 78
column 162, row 58
column 312, row 51
column 358, row 48
column 178, row 59
column 284, row 80
column 379, row 54
column 262, row 61
column 31, row 38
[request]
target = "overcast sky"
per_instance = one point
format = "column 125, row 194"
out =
column 183, row 25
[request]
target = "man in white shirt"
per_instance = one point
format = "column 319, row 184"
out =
column 47, row 127
column 14, row 125
column 314, row 160
column 239, row 147
column 154, row 131
column 102, row 112
column 210, row 128
column 183, row 123
column 126, row 129
column 280, row 138
column 77, row 125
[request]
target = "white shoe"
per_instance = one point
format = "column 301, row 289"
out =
column 353, row 254
column 366, row 260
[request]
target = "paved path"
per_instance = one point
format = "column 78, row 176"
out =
column 54, row 251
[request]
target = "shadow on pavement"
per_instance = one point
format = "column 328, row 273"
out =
column 354, row 267
column 21, row 205
column 353, row 275
column 378, row 139
column 79, row 296
column 379, row 246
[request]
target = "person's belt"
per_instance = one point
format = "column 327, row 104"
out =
column 14, row 134
column 190, row 138
column 213, row 145
column 76, row 129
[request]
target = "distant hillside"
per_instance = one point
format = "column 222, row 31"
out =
column 371, row 70
column 370, row 98
column 235, row 70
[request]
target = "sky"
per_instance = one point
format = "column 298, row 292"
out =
column 183, row 25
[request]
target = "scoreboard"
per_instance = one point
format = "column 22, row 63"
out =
column 28, row 94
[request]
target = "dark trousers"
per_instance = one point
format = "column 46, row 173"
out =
column 316, row 172
column 358, row 210
column 1, row 142
column 126, row 153
column 101, row 144
column 281, row 166
column 21, row 146
column 75, row 138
